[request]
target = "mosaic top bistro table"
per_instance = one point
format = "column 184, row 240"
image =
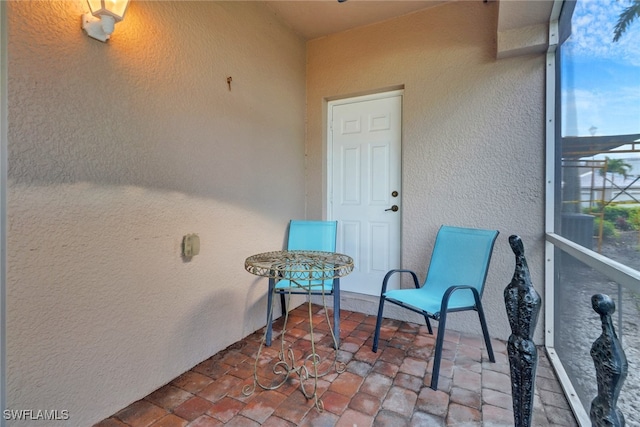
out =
column 302, row 269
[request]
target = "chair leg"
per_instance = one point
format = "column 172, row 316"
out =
column 376, row 335
column 438, row 352
column 283, row 303
column 272, row 285
column 426, row 319
column 336, row 310
column 485, row 333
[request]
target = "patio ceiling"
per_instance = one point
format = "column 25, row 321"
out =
column 317, row 18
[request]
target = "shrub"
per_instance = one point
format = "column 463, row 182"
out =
column 623, row 224
column 634, row 219
column 608, row 229
column 624, row 218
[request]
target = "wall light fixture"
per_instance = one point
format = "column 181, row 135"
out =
column 100, row 22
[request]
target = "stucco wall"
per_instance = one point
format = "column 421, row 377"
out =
column 118, row 150
column 473, row 136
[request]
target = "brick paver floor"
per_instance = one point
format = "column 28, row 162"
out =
column 387, row 388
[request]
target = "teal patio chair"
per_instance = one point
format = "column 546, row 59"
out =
column 455, row 282
column 309, row 236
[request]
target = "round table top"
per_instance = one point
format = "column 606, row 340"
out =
column 300, row 265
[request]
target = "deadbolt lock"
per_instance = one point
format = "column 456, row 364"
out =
column 394, row 194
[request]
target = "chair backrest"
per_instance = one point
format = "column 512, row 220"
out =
column 312, row 235
column 460, row 256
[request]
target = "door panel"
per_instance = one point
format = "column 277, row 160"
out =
column 349, row 178
column 364, row 172
column 379, row 236
column 379, row 170
column 348, row 241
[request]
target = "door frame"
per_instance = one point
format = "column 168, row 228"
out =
column 329, row 150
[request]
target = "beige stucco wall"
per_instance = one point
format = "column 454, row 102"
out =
column 473, row 136
column 118, row 150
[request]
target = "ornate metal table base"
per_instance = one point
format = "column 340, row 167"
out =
column 309, row 368
column 301, row 268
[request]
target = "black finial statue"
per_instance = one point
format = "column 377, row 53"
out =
column 611, row 367
column 523, row 305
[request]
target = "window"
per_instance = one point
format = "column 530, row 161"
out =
column 596, row 205
column 600, row 129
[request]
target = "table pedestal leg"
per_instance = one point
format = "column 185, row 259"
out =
column 309, row 369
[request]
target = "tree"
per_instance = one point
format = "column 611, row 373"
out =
column 625, row 19
column 616, row 166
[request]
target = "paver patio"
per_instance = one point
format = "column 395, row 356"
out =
column 387, row 388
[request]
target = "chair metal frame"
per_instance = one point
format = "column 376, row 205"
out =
column 451, row 289
column 296, row 241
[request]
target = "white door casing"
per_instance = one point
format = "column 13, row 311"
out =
column 364, row 174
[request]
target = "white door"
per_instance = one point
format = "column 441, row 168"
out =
column 364, row 186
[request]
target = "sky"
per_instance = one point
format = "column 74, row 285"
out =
column 600, row 78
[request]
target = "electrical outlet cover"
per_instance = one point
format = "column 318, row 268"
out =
column 191, row 245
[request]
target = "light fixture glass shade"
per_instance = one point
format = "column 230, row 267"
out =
column 114, row 8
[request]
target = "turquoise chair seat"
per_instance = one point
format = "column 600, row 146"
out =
column 417, row 298
column 455, row 282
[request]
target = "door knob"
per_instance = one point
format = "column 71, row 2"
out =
column 393, row 208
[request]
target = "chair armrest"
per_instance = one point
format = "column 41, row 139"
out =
column 452, row 289
column 392, row 272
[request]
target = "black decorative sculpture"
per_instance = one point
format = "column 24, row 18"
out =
column 523, row 306
column 611, row 367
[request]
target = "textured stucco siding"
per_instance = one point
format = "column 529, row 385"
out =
column 115, row 152
column 472, row 142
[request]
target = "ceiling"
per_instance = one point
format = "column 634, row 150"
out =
column 317, row 18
